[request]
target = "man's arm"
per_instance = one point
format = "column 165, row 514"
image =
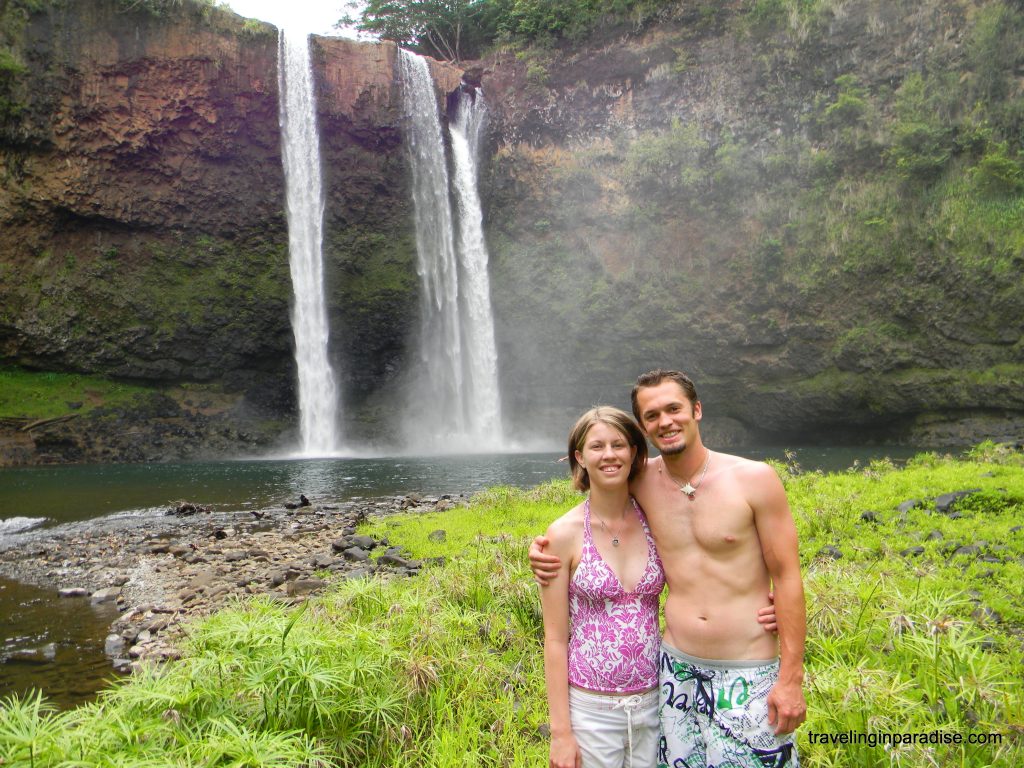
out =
column 787, row 708
column 545, row 566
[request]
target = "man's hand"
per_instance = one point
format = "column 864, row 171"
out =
column 786, row 707
column 766, row 616
column 545, row 567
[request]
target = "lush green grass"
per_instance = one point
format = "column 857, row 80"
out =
column 445, row 669
column 38, row 395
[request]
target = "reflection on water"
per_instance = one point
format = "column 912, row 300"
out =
column 68, row 493
column 52, row 644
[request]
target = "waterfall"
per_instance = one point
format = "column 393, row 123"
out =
column 475, row 288
column 300, row 151
column 454, row 395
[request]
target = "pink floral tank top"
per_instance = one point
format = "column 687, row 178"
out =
column 613, row 634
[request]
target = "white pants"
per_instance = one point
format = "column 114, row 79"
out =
column 615, row 731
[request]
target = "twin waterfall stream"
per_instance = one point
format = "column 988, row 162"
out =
column 453, row 399
column 300, row 153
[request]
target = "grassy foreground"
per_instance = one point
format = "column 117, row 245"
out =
column 445, row 669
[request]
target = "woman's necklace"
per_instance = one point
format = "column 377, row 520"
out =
column 690, row 490
column 613, row 534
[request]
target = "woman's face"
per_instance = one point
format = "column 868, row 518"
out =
column 606, row 455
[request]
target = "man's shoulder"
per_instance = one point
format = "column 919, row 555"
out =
column 650, row 468
column 749, row 470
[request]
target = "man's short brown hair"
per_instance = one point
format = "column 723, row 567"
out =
column 656, row 377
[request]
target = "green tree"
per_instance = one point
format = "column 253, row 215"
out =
column 447, row 29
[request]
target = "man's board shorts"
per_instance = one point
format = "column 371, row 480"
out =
column 715, row 713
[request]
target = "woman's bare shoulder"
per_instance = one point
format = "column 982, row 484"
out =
column 566, row 530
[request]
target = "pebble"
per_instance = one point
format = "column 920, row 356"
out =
column 184, row 567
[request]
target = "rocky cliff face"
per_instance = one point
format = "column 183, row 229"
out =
column 777, row 202
column 142, row 229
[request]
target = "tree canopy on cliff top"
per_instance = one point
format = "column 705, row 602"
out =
column 459, row 29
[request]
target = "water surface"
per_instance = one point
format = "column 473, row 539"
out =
column 56, row 644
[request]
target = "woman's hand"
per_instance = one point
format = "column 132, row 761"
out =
column 766, row 616
column 565, row 752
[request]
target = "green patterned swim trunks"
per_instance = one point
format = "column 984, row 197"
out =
column 714, row 714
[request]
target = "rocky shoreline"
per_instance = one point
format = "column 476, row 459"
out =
column 163, row 571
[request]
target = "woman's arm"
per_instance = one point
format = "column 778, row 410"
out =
column 554, row 598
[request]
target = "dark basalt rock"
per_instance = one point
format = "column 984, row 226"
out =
column 947, row 501
column 829, row 551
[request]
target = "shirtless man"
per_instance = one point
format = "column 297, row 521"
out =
column 731, row 694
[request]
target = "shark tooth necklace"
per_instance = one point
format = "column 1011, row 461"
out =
column 687, row 488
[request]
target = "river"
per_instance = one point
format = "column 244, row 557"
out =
column 57, row 645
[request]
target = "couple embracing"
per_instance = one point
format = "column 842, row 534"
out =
column 717, row 529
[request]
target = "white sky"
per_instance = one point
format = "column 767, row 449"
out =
column 316, row 16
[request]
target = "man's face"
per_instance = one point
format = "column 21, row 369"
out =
column 668, row 417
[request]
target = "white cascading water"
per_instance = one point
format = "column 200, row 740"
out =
column 454, row 395
column 475, row 284
column 300, row 150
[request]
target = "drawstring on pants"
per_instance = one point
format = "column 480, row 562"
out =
column 628, row 704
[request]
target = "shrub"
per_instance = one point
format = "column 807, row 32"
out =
column 998, row 173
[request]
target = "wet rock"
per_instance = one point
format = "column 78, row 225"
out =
column 303, row 502
column 302, row 587
column 908, row 505
column 73, row 592
column 946, row 501
column 41, row 655
column 829, row 551
column 985, row 615
column 322, row 561
column 966, row 551
column 106, row 595
column 355, row 555
column 392, row 559
column 157, row 624
column 187, row 508
column 203, row 579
